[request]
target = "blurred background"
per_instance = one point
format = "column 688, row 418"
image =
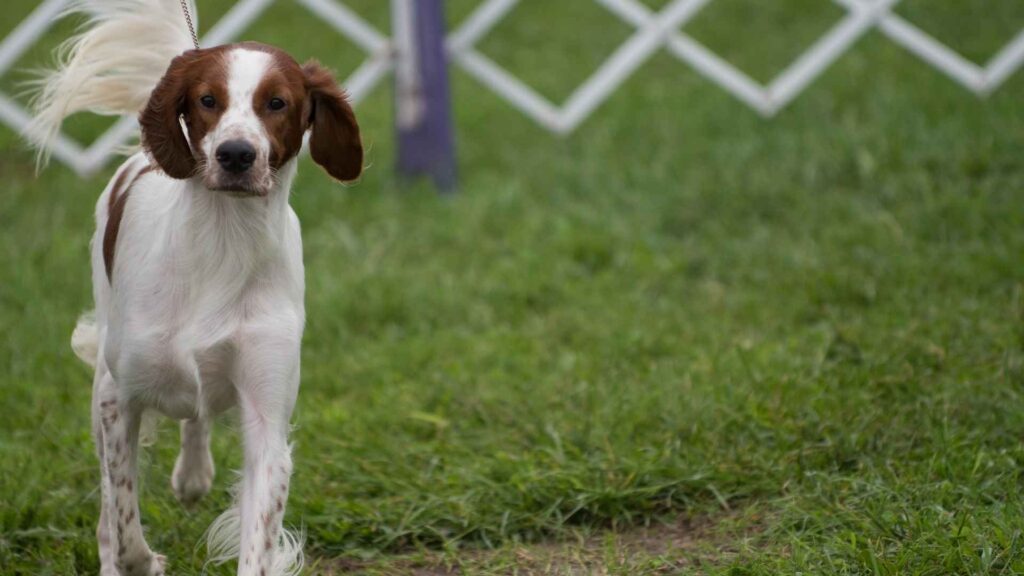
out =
column 685, row 330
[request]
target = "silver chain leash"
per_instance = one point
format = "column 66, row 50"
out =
column 191, row 26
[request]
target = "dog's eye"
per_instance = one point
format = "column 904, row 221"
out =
column 208, row 101
column 276, row 104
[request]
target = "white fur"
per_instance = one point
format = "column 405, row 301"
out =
column 85, row 340
column 222, row 544
column 204, row 310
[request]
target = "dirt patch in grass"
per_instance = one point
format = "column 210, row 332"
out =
column 663, row 548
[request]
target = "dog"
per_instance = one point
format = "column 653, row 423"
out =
column 197, row 267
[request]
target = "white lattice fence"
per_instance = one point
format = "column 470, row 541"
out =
column 663, row 29
column 653, row 31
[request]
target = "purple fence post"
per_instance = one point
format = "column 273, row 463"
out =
column 426, row 144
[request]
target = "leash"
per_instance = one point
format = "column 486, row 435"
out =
column 191, row 26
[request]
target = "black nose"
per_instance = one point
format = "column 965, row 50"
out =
column 236, row 156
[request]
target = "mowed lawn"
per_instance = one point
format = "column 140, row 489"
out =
column 683, row 340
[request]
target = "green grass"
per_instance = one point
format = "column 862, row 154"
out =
column 787, row 346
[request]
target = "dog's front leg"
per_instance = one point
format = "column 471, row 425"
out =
column 193, row 470
column 119, row 437
column 268, row 384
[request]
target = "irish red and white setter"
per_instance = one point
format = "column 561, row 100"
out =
column 197, row 266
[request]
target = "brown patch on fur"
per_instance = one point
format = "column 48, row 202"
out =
column 115, row 212
column 191, row 76
column 285, row 80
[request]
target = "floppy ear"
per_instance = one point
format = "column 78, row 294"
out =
column 334, row 142
column 161, row 132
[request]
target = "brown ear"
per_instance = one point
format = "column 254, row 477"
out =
column 161, row 132
column 334, row 142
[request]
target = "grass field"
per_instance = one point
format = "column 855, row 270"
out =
column 683, row 340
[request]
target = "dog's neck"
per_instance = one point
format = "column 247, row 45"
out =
column 228, row 232
column 225, row 208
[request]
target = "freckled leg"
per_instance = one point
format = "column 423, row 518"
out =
column 119, row 431
column 264, row 495
column 268, row 386
column 193, row 470
column 103, row 533
column 108, row 565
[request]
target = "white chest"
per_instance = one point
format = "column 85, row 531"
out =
column 193, row 277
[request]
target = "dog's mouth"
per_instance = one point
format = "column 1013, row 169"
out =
column 240, row 191
column 241, row 186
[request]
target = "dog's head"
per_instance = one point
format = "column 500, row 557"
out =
column 246, row 108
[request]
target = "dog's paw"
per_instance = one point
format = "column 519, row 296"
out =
column 152, row 565
column 192, row 478
column 158, row 566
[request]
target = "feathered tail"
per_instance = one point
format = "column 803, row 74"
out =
column 111, row 66
column 85, row 340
